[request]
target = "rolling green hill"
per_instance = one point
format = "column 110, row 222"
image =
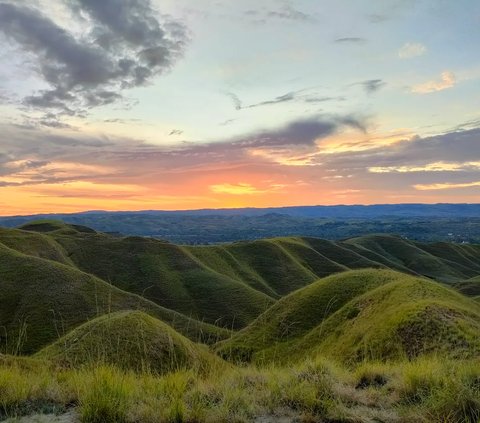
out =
column 114, row 327
column 41, row 300
column 470, row 287
column 357, row 315
column 168, row 275
column 62, row 275
column 131, row 340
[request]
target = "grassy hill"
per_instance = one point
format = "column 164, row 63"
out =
column 131, row 340
column 41, row 300
column 443, row 262
column 470, row 287
column 34, row 244
column 358, row 315
column 358, row 330
column 168, row 275
column 226, row 285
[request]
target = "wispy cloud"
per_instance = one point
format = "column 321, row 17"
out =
column 447, row 80
column 285, row 13
column 350, row 40
column 378, row 18
column 237, row 103
column 373, row 85
column 236, row 189
column 429, row 167
column 410, row 50
column 446, row 185
column 304, row 96
column 175, row 132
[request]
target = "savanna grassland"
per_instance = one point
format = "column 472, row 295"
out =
column 103, row 328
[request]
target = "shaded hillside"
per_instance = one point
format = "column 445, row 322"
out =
column 357, row 315
column 34, row 244
column 41, row 300
column 168, row 275
column 227, row 285
column 470, row 287
column 131, row 340
column 441, row 261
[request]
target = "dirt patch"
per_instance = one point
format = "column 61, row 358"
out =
column 70, row 417
column 433, row 329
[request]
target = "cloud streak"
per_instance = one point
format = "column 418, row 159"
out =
column 373, row 85
column 350, row 40
column 447, row 80
column 447, row 185
column 287, row 13
column 300, row 96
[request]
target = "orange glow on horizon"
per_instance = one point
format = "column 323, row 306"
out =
column 261, row 177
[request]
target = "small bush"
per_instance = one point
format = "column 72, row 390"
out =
column 105, row 397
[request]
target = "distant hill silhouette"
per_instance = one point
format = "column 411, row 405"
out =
column 421, row 222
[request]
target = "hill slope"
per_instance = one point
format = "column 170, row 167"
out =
column 131, row 340
column 374, row 314
column 42, row 299
column 232, row 284
column 470, row 287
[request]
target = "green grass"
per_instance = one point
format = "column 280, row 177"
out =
column 42, row 300
column 358, row 315
column 443, row 262
column 433, row 390
column 34, row 244
column 168, row 275
column 194, row 281
column 114, row 328
column 470, row 287
column 131, row 340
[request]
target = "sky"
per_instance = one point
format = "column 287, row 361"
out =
column 187, row 104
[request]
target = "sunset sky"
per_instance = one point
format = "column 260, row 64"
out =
column 185, row 104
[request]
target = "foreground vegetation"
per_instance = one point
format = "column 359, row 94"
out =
column 100, row 329
column 426, row 390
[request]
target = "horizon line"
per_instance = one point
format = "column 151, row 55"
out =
column 237, row 208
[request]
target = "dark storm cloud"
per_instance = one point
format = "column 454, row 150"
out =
column 126, row 46
column 351, row 40
column 372, row 85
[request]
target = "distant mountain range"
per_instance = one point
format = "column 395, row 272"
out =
column 337, row 211
column 421, row 222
